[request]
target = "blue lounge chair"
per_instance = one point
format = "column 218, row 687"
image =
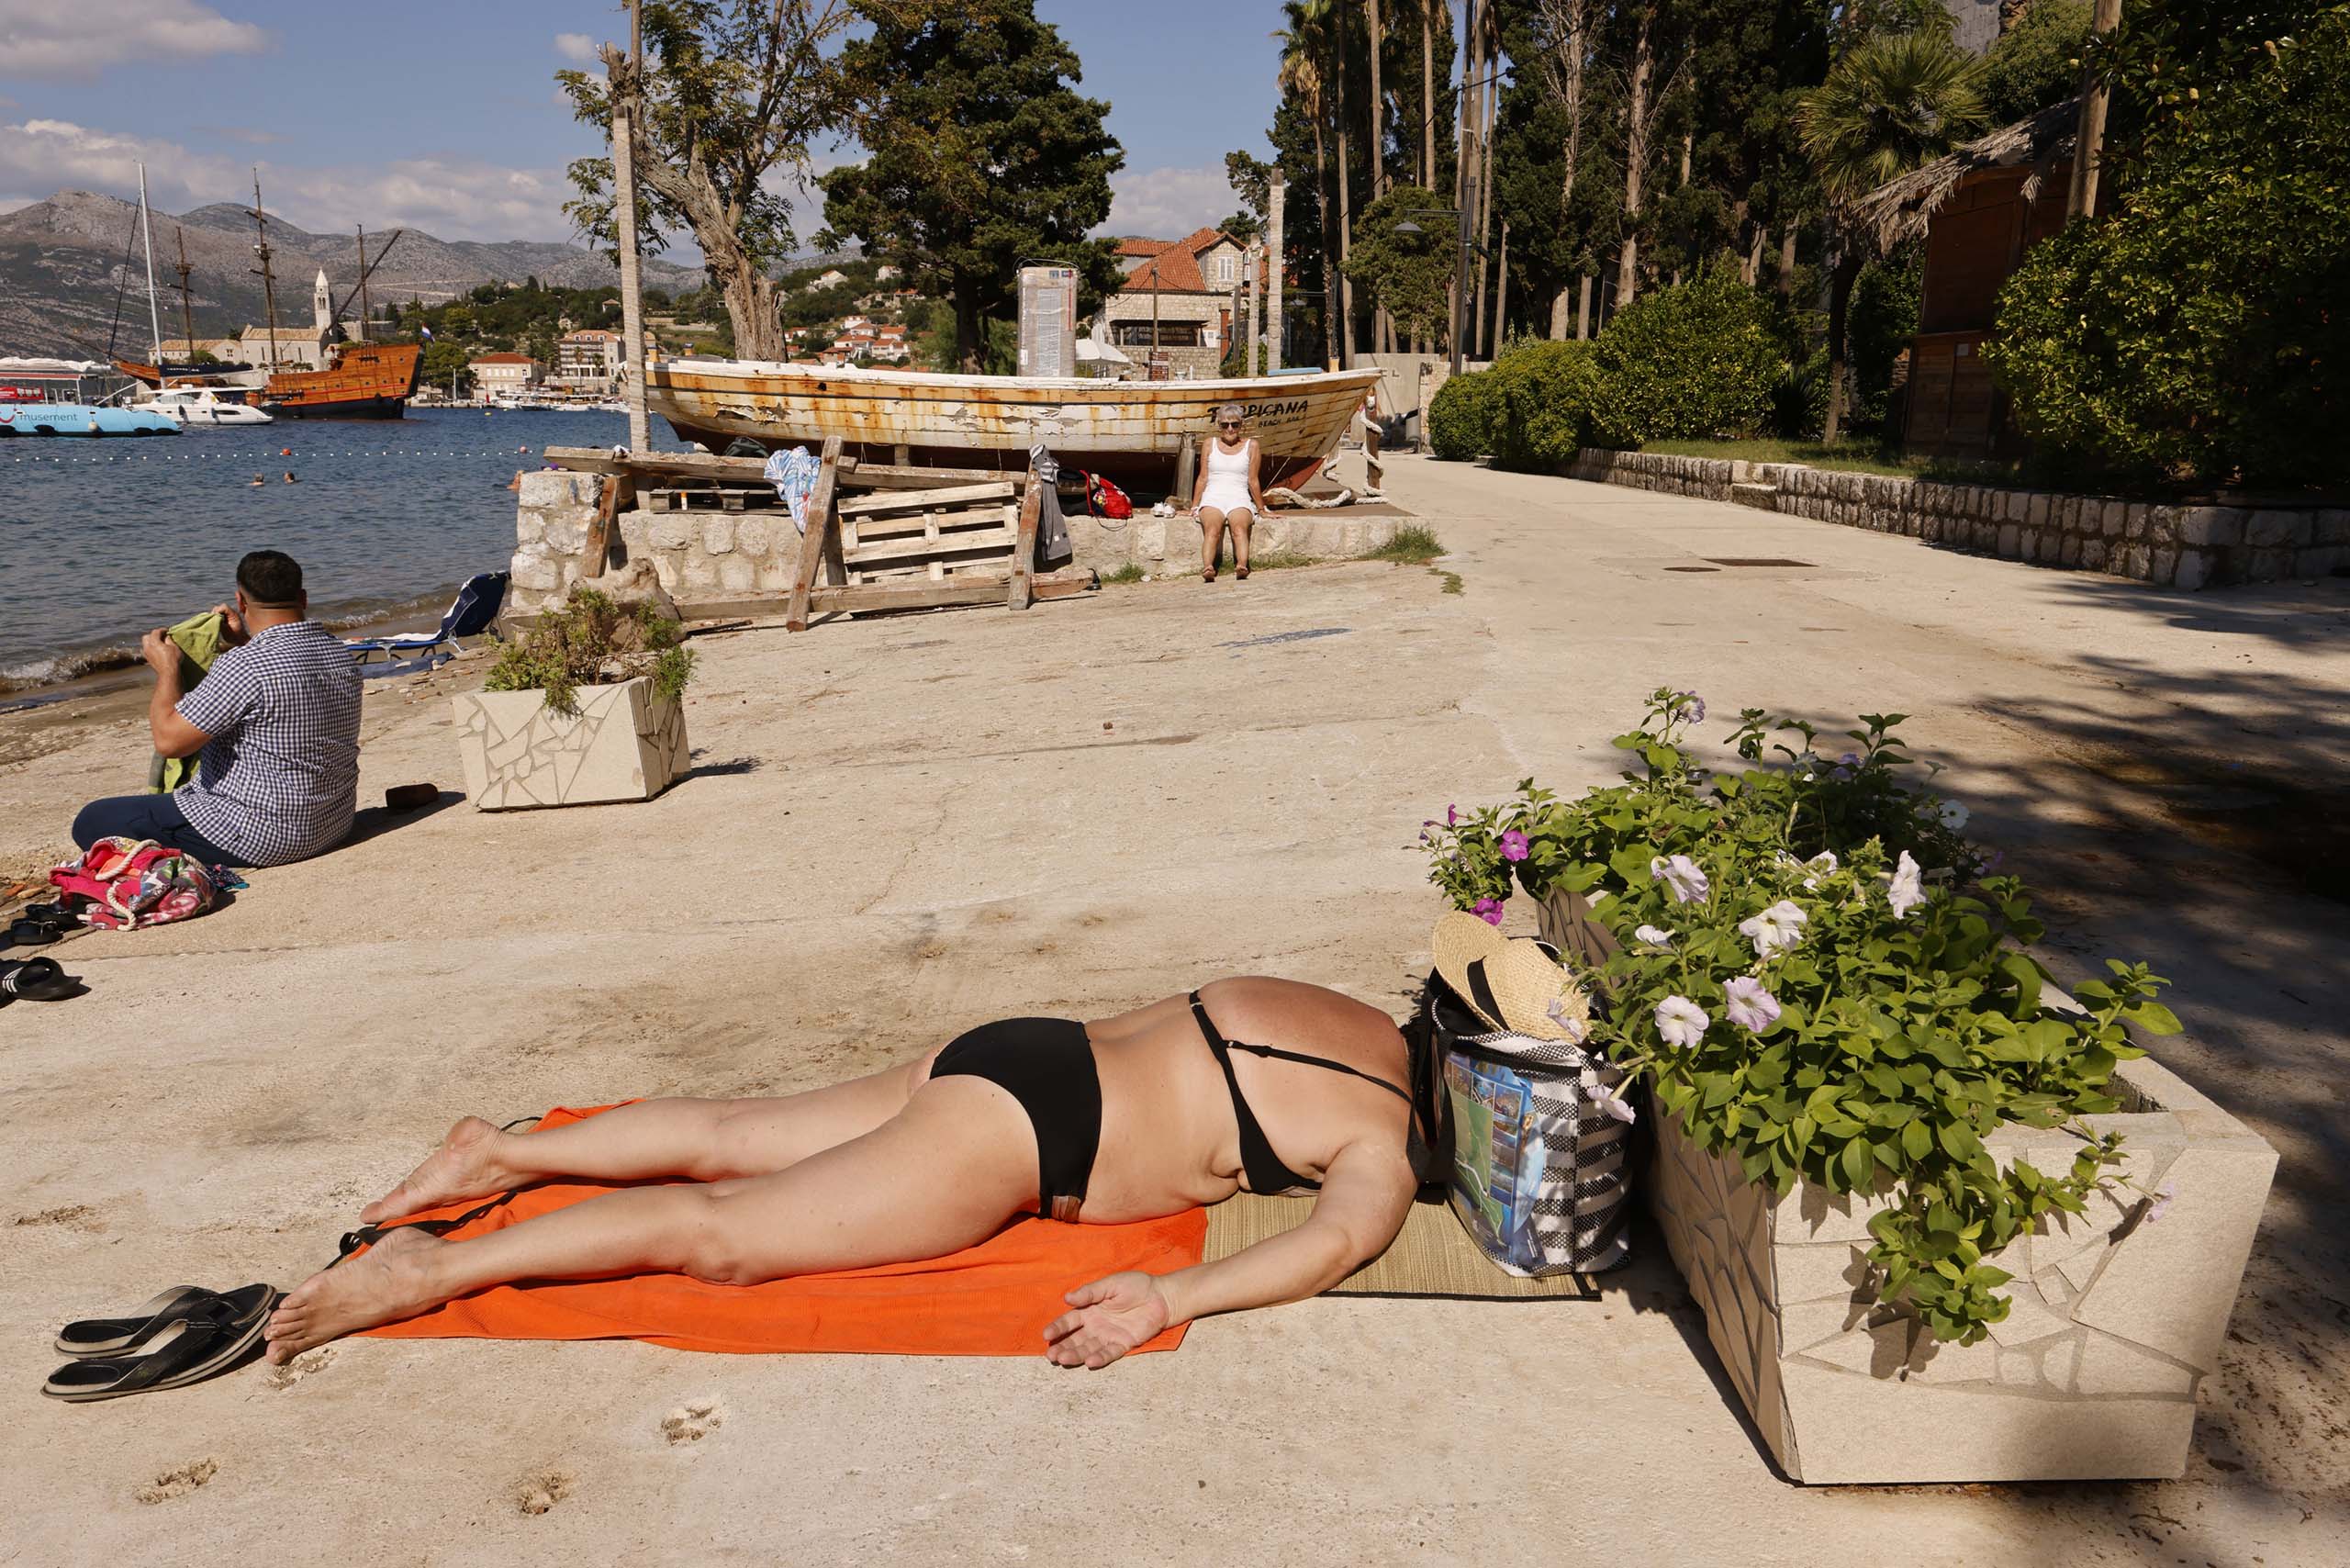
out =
column 477, row 605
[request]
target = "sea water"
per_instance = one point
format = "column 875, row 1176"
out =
column 101, row 539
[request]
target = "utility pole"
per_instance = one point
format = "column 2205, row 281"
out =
column 2088, row 136
column 1276, row 197
column 622, row 82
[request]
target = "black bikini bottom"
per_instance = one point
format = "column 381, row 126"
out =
column 1046, row 1064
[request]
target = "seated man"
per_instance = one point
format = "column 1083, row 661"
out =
column 276, row 719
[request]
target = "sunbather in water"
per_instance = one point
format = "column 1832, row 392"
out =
column 1126, row 1119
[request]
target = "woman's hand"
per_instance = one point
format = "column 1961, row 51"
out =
column 1113, row 1315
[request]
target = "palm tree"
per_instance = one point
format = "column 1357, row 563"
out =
column 1889, row 105
column 1300, row 78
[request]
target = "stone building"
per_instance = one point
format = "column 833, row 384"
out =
column 1180, row 297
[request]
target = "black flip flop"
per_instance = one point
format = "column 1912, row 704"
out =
column 200, row 1347
column 124, row 1335
column 38, row 979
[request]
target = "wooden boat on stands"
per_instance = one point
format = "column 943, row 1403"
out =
column 1132, row 431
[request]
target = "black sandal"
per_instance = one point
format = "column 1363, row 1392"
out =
column 38, row 979
column 213, row 1341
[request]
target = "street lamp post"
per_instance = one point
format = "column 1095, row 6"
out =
column 1461, row 265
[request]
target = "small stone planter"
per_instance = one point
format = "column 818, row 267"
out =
column 626, row 744
column 2093, row 1375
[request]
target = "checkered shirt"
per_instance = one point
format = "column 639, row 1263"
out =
column 279, row 780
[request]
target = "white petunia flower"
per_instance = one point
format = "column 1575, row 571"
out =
column 1908, row 890
column 1681, row 1021
column 1684, row 876
column 1774, row 930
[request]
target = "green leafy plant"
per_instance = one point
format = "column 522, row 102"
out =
column 1547, row 398
column 1819, row 982
column 1702, row 359
column 1460, row 417
column 591, row 641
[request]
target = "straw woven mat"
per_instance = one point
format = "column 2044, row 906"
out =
column 1432, row 1256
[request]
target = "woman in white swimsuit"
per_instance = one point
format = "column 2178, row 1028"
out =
column 1226, row 492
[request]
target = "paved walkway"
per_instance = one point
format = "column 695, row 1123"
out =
column 900, row 827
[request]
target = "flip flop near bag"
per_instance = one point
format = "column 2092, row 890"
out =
column 124, row 1334
column 38, row 979
column 205, row 1345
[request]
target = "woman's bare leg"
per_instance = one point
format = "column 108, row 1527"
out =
column 1211, row 540
column 943, row 1174
column 1240, row 519
column 707, row 1139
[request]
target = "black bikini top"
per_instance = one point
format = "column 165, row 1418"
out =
column 1263, row 1167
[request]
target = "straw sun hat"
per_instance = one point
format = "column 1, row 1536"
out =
column 1510, row 983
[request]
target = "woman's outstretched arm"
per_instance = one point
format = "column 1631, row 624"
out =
column 1366, row 1194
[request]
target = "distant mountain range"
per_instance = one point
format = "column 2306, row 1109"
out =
column 63, row 260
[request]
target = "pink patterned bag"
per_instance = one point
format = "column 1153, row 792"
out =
column 131, row 882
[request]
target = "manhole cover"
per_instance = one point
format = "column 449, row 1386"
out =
column 1754, row 561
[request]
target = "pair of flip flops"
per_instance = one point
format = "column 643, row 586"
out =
column 38, row 925
column 184, row 1335
column 37, row 980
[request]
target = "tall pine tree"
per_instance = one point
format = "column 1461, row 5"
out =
column 983, row 156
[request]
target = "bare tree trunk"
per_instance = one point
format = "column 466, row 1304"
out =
column 1427, row 94
column 1840, row 299
column 1635, row 154
column 1377, row 111
column 1582, row 312
column 1343, row 288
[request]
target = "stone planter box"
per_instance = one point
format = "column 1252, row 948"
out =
column 626, row 745
column 2114, row 1321
column 2092, row 1375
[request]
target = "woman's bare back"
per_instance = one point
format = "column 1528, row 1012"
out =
column 1170, row 1137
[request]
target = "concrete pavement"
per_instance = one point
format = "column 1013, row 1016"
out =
column 901, row 828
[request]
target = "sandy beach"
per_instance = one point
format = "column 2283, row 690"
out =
column 899, row 827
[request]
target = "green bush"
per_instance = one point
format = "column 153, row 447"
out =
column 2198, row 330
column 1460, row 417
column 1704, row 359
column 1546, row 401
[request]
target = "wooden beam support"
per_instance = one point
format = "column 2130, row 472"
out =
column 820, row 541
column 1023, row 546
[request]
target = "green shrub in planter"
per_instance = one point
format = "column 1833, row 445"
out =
column 1545, row 399
column 1814, row 981
column 1460, row 417
column 1704, row 359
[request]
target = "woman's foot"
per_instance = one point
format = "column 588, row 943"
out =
column 392, row 1280
column 463, row 1167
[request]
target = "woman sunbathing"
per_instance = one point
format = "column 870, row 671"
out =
column 1128, row 1118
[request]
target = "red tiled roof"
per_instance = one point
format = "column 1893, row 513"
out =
column 1177, row 266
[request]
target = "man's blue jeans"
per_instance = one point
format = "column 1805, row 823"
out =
column 158, row 817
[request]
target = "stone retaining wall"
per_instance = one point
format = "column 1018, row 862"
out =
column 2173, row 547
column 717, row 555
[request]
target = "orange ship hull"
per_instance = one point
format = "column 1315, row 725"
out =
column 369, row 381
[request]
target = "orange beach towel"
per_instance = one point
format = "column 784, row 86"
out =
column 990, row 1300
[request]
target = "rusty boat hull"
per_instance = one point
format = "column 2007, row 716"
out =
column 1132, row 431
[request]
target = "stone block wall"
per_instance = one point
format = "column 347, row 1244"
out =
column 714, row 554
column 2171, row 546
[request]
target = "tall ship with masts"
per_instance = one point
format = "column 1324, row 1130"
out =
column 359, row 380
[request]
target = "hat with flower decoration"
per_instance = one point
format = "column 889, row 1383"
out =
column 1510, row 983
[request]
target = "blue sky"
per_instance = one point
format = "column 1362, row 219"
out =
column 445, row 115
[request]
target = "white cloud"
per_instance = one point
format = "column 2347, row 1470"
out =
column 451, row 198
column 575, row 46
column 1167, row 204
column 40, row 40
